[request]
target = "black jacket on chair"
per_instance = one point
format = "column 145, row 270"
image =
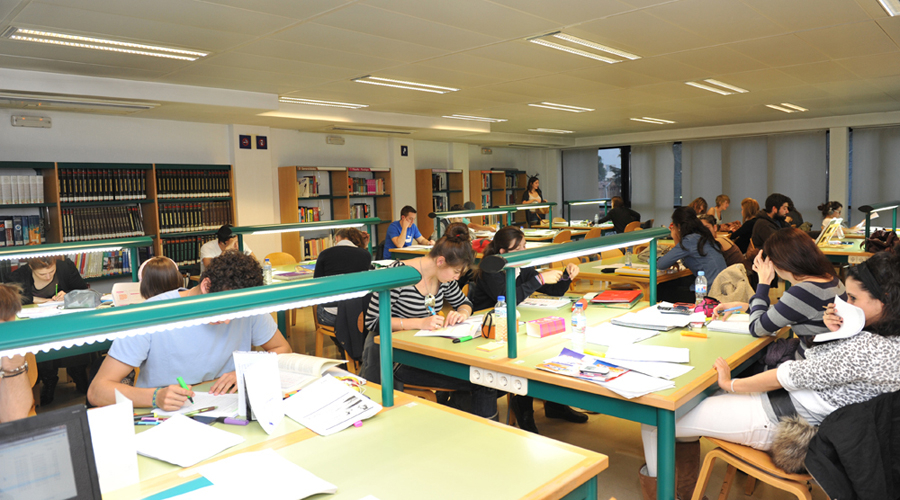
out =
column 67, row 276
column 856, row 453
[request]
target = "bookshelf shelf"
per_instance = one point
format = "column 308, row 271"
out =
column 436, row 191
column 321, row 197
column 193, row 200
column 103, row 203
column 29, row 205
column 364, row 195
column 490, row 183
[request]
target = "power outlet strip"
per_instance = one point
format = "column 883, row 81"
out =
column 498, row 380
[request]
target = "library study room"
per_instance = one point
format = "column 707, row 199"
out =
column 449, row 249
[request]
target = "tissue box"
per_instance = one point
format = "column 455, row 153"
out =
column 545, row 327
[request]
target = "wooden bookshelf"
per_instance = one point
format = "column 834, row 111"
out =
column 514, row 184
column 487, row 189
column 432, row 184
column 339, row 189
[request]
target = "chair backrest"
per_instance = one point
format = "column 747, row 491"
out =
column 611, row 254
column 647, row 224
column 594, row 233
column 281, row 258
column 563, row 236
column 632, row 226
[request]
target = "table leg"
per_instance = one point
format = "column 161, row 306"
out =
column 665, row 455
column 283, row 323
column 587, row 491
column 387, row 353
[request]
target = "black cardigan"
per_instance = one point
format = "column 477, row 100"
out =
column 342, row 259
column 621, row 217
column 67, row 276
column 484, row 292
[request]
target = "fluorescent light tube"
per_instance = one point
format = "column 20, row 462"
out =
column 779, row 108
column 401, row 84
column 475, row 118
column 478, row 214
column 793, row 106
column 551, row 130
column 532, row 206
column 590, row 202
column 580, row 253
column 597, row 46
column 298, row 229
column 314, row 102
column 726, row 86
column 655, row 121
column 84, row 42
column 707, row 87
column 892, row 7
column 570, row 50
column 50, row 253
column 561, row 107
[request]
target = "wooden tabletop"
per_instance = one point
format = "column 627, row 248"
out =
column 592, row 271
column 850, row 247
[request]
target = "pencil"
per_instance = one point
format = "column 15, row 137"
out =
column 694, row 334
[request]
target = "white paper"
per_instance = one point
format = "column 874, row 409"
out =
column 729, row 326
column 226, row 405
column 470, row 326
column 651, row 319
column 639, row 352
column 184, row 442
column 634, row 385
column 854, row 321
column 244, row 476
column 658, row 369
column 609, row 334
column 262, row 382
column 113, row 440
column 328, row 405
column 44, row 312
column 242, row 361
column 545, row 303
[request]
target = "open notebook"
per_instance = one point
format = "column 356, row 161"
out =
column 300, row 370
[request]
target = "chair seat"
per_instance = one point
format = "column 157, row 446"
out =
column 759, row 459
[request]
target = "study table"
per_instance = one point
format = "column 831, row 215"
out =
column 540, row 234
column 412, row 450
column 852, row 252
column 605, row 227
column 418, row 251
column 660, row 409
column 592, row 271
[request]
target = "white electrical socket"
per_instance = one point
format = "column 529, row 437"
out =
column 476, row 375
column 518, row 385
column 498, row 380
column 503, row 382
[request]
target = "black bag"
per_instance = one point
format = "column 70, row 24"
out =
column 882, row 240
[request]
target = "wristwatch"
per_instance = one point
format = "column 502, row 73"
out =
column 14, row 373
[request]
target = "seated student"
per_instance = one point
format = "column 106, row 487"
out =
column 834, row 374
column 16, row 399
column 730, row 251
column 473, row 226
column 533, row 194
column 699, row 205
column 793, row 218
column 832, row 210
column 401, row 233
column 770, row 220
column 485, row 291
column 225, row 240
column 440, row 269
column 722, row 204
column 749, row 211
column 159, row 275
column 620, row 215
column 47, row 279
column 794, row 257
column 197, row 353
column 348, row 255
column 696, row 247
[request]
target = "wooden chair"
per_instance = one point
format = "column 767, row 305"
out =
column 560, row 220
column 281, row 259
column 633, row 226
column 756, row 464
column 595, row 232
column 563, row 237
column 32, row 380
column 323, row 331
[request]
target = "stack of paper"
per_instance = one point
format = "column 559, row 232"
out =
column 609, row 334
column 652, row 319
column 730, row 326
column 634, row 385
column 328, row 405
column 470, row 326
column 113, row 441
column 226, row 405
column 658, row 369
column 640, row 352
column 184, row 442
column 555, row 303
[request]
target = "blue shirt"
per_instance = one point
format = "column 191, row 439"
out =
column 197, row 353
column 394, row 230
column 711, row 264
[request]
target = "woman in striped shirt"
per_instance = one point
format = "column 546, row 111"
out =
column 412, row 309
column 794, row 257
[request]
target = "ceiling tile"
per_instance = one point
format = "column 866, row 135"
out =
column 761, row 79
column 536, row 92
column 437, row 76
column 783, row 50
column 734, row 21
column 665, row 69
column 467, row 63
column 822, row 72
column 849, row 40
column 640, row 33
column 75, row 68
column 891, row 26
column 874, row 66
column 248, row 62
column 360, row 63
column 287, row 8
column 378, row 22
column 318, row 35
column 797, row 15
column 717, row 60
column 571, row 84
column 567, row 11
column 614, row 74
column 281, row 80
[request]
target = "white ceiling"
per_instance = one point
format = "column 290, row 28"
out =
column 834, row 57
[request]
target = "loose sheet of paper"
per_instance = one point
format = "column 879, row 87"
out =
column 242, row 361
column 262, row 383
column 470, row 326
column 730, row 326
column 44, row 312
column 546, row 303
column 658, row 369
column 634, row 385
column 609, row 334
column 226, row 405
column 113, row 440
column 639, row 352
column 854, row 321
column 328, row 405
column 184, row 442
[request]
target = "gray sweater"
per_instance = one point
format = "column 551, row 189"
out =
column 711, row 264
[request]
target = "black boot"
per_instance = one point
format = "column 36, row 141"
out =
column 556, row 410
column 523, row 408
column 48, row 374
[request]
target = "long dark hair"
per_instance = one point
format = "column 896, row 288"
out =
column 531, row 181
column 455, row 247
column 829, row 207
column 792, row 250
column 884, row 269
column 506, row 238
column 685, row 219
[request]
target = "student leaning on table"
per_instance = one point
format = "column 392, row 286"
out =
column 401, row 233
column 696, row 247
column 16, row 399
column 225, row 240
column 485, row 291
column 197, row 353
column 831, row 210
column 834, row 374
column 440, row 269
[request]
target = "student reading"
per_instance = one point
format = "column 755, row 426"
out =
column 620, row 215
column 696, row 247
column 401, row 233
column 485, row 291
column 834, row 374
column 197, row 353
column 16, row 399
column 410, row 310
column 225, row 240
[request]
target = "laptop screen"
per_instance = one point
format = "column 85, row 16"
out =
column 48, row 457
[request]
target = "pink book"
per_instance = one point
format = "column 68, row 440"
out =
column 544, row 327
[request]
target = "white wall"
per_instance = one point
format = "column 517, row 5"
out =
column 876, row 173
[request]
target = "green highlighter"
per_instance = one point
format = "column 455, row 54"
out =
column 185, row 387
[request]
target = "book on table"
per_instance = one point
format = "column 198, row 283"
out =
column 618, row 299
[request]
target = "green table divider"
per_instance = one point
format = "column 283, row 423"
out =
column 878, row 207
column 51, row 249
column 369, row 222
column 478, row 212
column 530, row 206
column 567, row 206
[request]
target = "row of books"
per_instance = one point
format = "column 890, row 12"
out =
column 439, row 203
column 200, row 216
column 193, row 183
column 80, row 185
column 103, row 264
column 313, row 246
column 512, row 181
column 308, row 186
column 438, row 182
column 21, row 189
column 310, row 214
column 362, row 186
column 185, row 251
column 16, row 230
column 485, row 181
column 100, row 223
column 486, row 199
column 359, row 211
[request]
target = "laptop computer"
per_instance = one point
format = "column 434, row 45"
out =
column 48, row 457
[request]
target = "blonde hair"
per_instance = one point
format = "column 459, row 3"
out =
column 749, row 209
column 10, row 301
column 722, row 199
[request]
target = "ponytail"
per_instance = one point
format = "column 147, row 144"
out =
column 506, row 238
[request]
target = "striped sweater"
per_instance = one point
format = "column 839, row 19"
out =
column 408, row 302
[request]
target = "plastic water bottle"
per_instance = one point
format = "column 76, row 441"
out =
column 267, row 272
column 700, row 288
column 596, row 219
column 579, row 323
column 500, row 319
column 628, row 257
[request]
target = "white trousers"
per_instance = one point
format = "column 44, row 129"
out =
column 738, row 418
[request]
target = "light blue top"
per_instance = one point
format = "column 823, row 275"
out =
column 711, row 264
column 394, row 230
column 197, row 353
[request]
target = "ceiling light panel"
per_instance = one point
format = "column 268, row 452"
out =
column 551, row 130
column 794, row 107
column 475, row 118
column 314, row 102
column 597, row 51
column 561, row 107
column 94, row 43
column 402, row 84
column 718, row 87
column 726, row 86
column 655, row 121
column 787, row 107
column 892, row 7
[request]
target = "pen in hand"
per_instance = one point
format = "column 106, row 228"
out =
column 185, row 387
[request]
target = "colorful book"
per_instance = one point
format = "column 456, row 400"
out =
column 545, row 327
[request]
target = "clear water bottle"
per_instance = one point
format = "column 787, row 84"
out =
column 596, row 219
column 700, row 288
column 628, row 256
column 500, row 319
column 267, row 272
column 579, row 324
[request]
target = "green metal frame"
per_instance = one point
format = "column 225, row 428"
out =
column 475, row 213
column 567, row 206
column 83, row 246
column 530, row 206
column 371, row 222
column 870, row 209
